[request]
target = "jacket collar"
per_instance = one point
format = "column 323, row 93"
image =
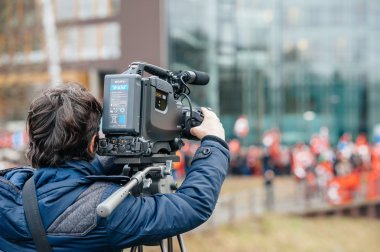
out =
column 72, row 171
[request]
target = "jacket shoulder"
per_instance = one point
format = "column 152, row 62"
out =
column 80, row 218
column 13, row 226
column 13, row 179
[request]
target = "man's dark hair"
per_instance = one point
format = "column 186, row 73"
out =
column 61, row 123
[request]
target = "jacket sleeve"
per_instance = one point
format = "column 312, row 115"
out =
column 139, row 220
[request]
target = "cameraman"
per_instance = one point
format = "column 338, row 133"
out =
column 62, row 124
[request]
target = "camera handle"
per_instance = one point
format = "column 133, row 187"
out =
column 105, row 208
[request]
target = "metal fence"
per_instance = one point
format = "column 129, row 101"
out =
column 233, row 207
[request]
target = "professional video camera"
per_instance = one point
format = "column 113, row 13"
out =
column 144, row 122
column 144, row 119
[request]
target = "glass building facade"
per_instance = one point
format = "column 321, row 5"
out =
column 290, row 64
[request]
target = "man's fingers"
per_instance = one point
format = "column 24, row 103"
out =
column 207, row 112
column 193, row 131
column 211, row 125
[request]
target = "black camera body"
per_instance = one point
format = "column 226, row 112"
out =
column 144, row 118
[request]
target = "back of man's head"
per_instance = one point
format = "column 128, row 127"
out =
column 61, row 123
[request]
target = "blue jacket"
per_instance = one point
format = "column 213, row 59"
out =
column 68, row 198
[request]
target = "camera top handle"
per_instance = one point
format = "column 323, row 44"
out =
column 141, row 67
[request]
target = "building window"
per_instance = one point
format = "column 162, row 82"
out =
column 69, row 43
column 67, row 10
column 293, row 16
column 90, row 42
column 313, row 16
column 110, row 45
column 340, row 50
column 360, row 13
column 230, row 95
column 88, row 49
column 360, row 48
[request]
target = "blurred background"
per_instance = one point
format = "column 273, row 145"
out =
column 295, row 82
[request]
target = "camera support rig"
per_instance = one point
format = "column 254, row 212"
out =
column 144, row 122
column 159, row 181
column 105, row 208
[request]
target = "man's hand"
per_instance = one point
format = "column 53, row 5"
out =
column 210, row 126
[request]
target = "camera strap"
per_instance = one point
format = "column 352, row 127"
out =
column 33, row 216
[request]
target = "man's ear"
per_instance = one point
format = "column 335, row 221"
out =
column 91, row 147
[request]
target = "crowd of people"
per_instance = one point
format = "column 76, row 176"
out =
column 337, row 174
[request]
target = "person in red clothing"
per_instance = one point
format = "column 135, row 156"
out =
column 363, row 151
column 253, row 161
column 373, row 175
column 342, row 189
column 179, row 167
